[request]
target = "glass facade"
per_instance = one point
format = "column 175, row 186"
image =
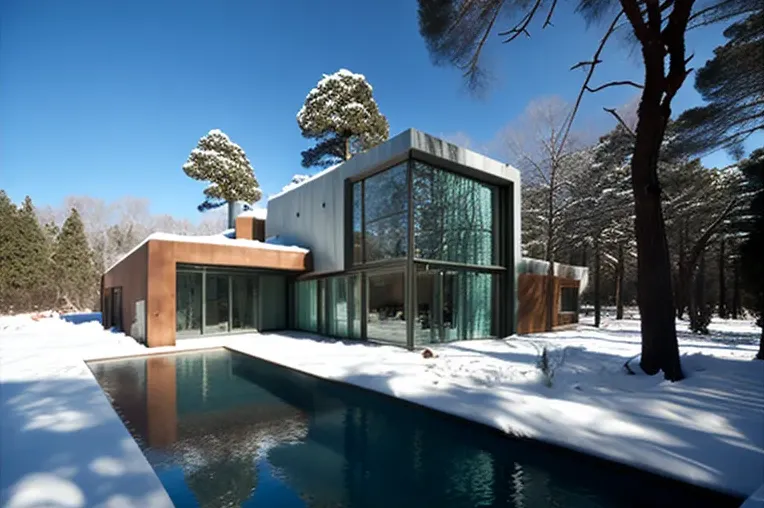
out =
column 454, row 221
column 386, row 318
column 212, row 300
column 188, row 299
column 453, row 217
column 453, row 305
column 330, row 306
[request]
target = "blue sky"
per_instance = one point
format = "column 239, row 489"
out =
column 108, row 98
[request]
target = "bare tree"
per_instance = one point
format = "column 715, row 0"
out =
column 541, row 146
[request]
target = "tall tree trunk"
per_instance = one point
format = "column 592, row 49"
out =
column 550, row 251
column 680, row 301
column 347, row 149
column 736, row 288
column 722, row 282
column 660, row 349
column 597, row 305
column 698, row 294
column 619, row 283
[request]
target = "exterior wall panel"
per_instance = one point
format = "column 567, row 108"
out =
column 163, row 257
column 132, row 276
column 532, row 310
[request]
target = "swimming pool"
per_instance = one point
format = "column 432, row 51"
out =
column 221, row 428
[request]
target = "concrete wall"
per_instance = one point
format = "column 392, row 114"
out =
column 320, row 202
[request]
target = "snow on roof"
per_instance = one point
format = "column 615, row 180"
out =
column 257, row 213
column 292, row 186
column 218, row 239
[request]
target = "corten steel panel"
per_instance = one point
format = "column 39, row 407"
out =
column 131, row 274
column 532, row 308
column 250, row 228
column 164, row 255
column 161, row 403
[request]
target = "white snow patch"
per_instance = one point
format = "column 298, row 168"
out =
column 62, row 443
column 257, row 213
column 218, row 239
column 292, row 186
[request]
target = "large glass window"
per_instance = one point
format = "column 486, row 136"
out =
column 453, row 217
column 385, row 210
column 453, row 305
column 188, row 294
column 386, row 319
column 336, row 307
column 306, row 305
column 244, row 291
column 217, row 303
column 357, row 223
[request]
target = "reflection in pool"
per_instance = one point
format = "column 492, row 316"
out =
column 224, row 429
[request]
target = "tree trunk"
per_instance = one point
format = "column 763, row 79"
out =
column 347, row 149
column 760, row 354
column 619, row 284
column 660, row 349
column 597, row 304
column 736, row 289
column 680, row 301
column 722, row 283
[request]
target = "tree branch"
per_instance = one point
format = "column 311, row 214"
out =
column 585, row 63
column 614, row 83
column 522, row 26
column 476, row 55
column 548, row 20
column 613, row 112
column 594, row 61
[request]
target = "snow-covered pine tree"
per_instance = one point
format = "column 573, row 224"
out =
column 223, row 163
column 341, row 115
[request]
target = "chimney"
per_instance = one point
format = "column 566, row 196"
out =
column 250, row 228
column 235, row 208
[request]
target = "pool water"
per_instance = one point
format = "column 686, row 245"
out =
column 225, row 429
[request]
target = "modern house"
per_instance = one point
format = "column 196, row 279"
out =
column 413, row 242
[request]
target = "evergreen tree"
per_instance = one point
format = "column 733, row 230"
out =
column 223, row 163
column 76, row 277
column 9, row 261
column 34, row 268
column 732, row 83
column 341, row 115
column 753, row 246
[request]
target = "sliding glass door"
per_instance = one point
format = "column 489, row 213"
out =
column 211, row 300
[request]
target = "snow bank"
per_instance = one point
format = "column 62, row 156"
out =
column 294, row 185
column 705, row 430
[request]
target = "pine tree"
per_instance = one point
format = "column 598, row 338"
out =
column 732, row 83
column 223, row 163
column 34, row 271
column 76, row 276
column 341, row 115
column 753, row 245
column 9, row 261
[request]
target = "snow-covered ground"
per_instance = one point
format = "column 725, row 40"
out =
column 707, row 429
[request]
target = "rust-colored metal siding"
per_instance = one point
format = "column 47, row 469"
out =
column 532, row 308
column 250, row 228
column 131, row 275
column 164, row 255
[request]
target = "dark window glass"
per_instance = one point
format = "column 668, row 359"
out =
column 357, row 233
column 386, row 320
column 386, row 214
column 216, row 301
column 243, row 310
column 354, row 306
column 453, row 217
column 306, row 303
column 569, row 299
column 337, row 306
column 188, row 298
